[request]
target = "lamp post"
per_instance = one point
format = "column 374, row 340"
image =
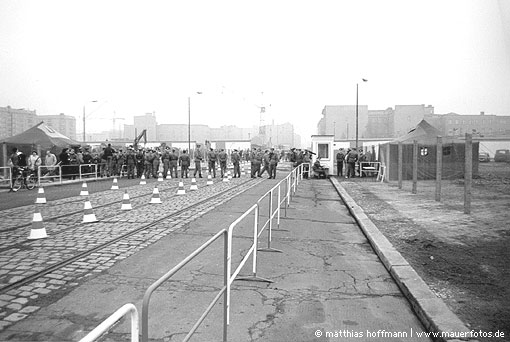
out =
column 364, row 80
column 189, row 121
column 84, row 137
column 334, row 129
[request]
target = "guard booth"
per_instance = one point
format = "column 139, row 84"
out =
column 322, row 146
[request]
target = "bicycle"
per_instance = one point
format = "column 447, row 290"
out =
column 29, row 181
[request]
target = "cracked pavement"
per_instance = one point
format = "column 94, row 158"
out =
column 327, row 278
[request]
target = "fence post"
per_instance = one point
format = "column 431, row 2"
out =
column 415, row 166
column 468, row 173
column 39, row 176
column 439, row 167
column 79, row 170
column 400, row 164
column 225, row 283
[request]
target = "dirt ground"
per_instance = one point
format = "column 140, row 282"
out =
column 464, row 258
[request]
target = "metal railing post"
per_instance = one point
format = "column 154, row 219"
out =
column 79, row 170
column 227, row 285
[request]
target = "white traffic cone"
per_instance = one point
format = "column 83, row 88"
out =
column 229, row 176
column 193, row 184
column 88, row 213
column 225, row 178
column 168, row 175
column 209, row 180
column 84, row 190
column 115, row 185
column 181, row 190
column 41, row 198
column 126, row 204
column 160, row 177
column 38, row 231
column 155, row 196
column 243, row 173
column 142, row 180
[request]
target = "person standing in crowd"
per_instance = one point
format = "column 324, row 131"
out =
column 87, row 160
column 222, row 157
column 236, row 158
column 306, row 165
column 155, row 164
column 184, row 162
column 140, row 160
column 131, row 163
column 340, row 156
column 198, row 163
column 253, row 158
column 50, row 161
column 273, row 163
column 34, row 161
column 64, row 162
column 14, row 163
column 108, row 155
column 211, row 156
column 265, row 163
column 351, row 159
column 165, row 157
column 148, row 163
column 174, row 160
column 74, row 164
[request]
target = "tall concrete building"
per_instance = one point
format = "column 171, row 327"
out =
column 15, row 121
column 486, row 125
column 64, row 124
column 406, row 117
column 340, row 121
column 148, row 122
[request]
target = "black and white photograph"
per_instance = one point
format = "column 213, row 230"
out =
column 259, row 171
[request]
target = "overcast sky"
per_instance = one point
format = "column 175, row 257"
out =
column 296, row 56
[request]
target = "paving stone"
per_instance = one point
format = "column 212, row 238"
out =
column 20, row 300
column 39, row 284
column 26, row 294
column 14, row 306
column 6, row 298
column 55, row 276
column 15, row 317
column 15, row 279
column 56, row 282
column 3, row 303
column 29, row 309
column 26, row 288
column 42, row 291
column 53, row 287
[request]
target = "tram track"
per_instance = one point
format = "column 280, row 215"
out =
column 80, row 200
column 80, row 255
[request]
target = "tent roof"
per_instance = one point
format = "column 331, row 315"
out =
column 43, row 135
column 423, row 133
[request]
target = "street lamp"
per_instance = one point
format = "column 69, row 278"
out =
column 189, row 121
column 364, row 80
column 84, row 138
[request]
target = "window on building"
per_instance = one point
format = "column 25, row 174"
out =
column 323, row 151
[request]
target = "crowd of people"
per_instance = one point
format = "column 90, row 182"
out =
column 165, row 160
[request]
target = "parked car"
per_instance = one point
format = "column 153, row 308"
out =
column 502, row 156
column 483, row 157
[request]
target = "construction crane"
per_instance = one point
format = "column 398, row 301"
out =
column 140, row 136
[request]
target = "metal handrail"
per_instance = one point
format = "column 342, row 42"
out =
column 5, row 168
column 110, row 321
column 169, row 274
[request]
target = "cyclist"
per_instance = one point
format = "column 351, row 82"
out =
column 18, row 161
